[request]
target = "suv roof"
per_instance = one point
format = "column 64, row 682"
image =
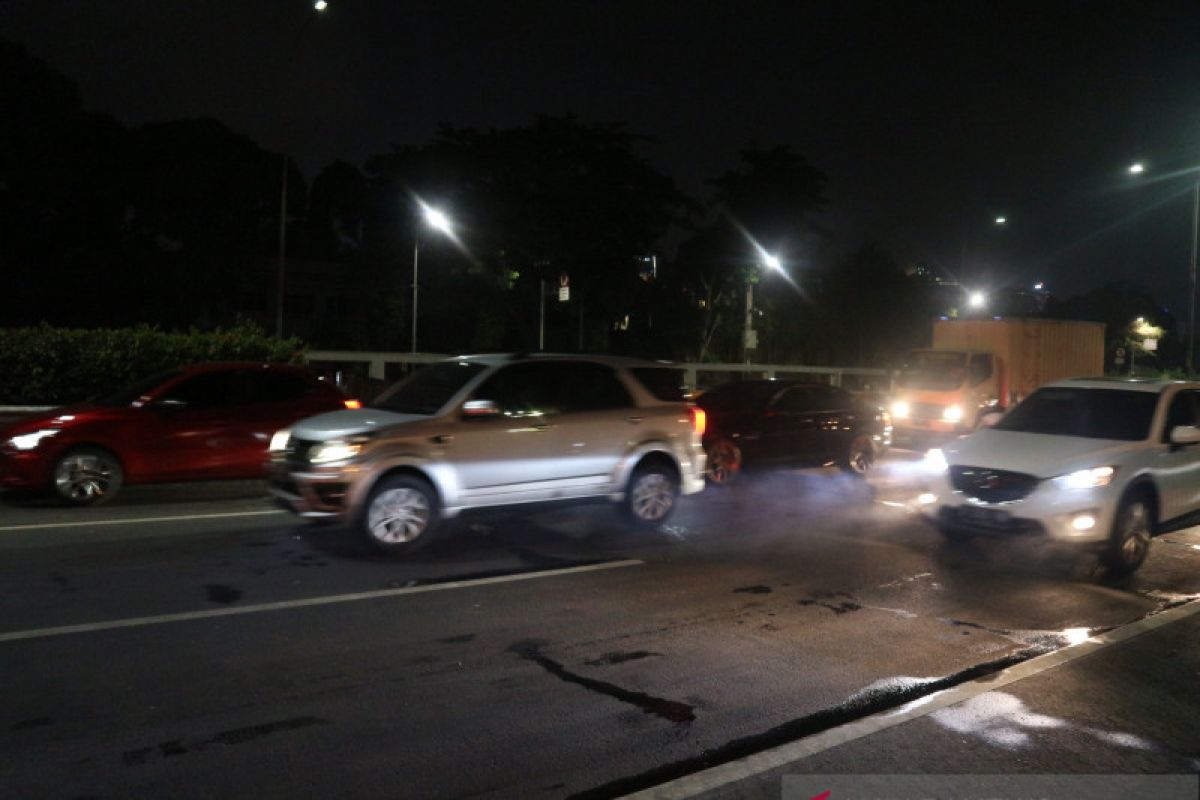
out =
column 1133, row 384
column 623, row 361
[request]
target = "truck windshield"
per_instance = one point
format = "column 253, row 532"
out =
column 426, row 391
column 1090, row 413
column 934, row 371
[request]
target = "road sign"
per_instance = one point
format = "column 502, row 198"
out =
column 1150, row 345
column 564, row 294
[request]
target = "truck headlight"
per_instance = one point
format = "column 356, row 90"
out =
column 900, row 410
column 1086, row 478
column 335, row 450
column 28, row 441
column 952, row 413
column 279, row 442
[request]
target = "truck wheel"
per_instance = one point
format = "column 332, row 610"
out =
column 1129, row 542
column 401, row 515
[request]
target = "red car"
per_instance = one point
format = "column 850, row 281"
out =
column 208, row 421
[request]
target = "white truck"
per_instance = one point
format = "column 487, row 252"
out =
column 977, row 366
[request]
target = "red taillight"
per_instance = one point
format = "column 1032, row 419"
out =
column 699, row 419
column 353, row 404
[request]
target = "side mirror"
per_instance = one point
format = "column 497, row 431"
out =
column 480, row 409
column 990, row 419
column 1185, row 434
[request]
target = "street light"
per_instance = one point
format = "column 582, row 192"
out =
column 977, row 300
column 1137, row 169
column 437, row 220
column 318, row 7
column 749, row 336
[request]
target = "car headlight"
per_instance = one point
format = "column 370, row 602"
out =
column 279, row 442
column 952, row 413
column 1086, row 478
column 935, row 462
column 335, row 450
column 28, row 441
column 900, row 410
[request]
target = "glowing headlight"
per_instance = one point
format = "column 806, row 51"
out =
column 952, row 413
column 334, row 450
column 28, row 441
column 279, row 441
column 1086, row 478
column 935, row 461
column 900, row 410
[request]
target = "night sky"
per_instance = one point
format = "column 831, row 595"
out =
column 929, row 118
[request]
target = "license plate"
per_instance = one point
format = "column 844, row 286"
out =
column 987, row 516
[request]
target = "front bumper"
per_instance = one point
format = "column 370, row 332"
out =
column 1073, row 516
column 312, row 495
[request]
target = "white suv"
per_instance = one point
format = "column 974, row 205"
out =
column 486, row 431
column 1102, row 462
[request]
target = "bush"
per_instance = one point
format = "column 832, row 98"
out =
column 52, row 366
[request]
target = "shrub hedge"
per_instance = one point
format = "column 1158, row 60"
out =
column 51, row 366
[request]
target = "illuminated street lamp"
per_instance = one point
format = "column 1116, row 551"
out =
column 749, row 335
column 437, row 220
column 1137, row 169
column 1001, row 220
column 977, row 300
column 320, row 5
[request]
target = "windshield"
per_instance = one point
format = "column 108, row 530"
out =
column 426, row 391
column 130, row 393
column 1090, row 413
column 934, row 371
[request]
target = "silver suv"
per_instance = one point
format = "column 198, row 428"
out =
column 497, row 430
column 1105, row 463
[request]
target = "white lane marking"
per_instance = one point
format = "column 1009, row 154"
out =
column 137, row 520
column 751, row 766
column 135, row 622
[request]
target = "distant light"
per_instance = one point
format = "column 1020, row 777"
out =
column 773, row 262
column 1137, row 169
column 977, row 300
column 320, row 5
column 1039, row 286
column 1001, row 220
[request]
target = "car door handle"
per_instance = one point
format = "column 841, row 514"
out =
column 442, row 438
column 634, row 420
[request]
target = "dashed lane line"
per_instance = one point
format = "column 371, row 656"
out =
column 137, row 520
column 777, row 757
column 161, row 619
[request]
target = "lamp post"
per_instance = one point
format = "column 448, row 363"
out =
column 1137, row 169
column 318, row 7
column 749, row 336
column 439, row 222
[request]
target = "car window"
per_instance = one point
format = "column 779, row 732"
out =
column 738, row 396
column 665, row 383
column 1183, row 411
column 209, row 390
column 265, row 386
column 830, row 398
column 795, row 400
column 427, row 390
column 134, row 391
column 522, row 390
column 1091, row 413
column 586, row 386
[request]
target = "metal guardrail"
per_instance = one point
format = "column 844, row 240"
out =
column 378, row 362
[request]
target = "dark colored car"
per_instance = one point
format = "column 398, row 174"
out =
column 763, row 422
column 208, row 421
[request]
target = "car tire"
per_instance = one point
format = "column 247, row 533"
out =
column 650, row 496
column 401, row 515
column 1129, row 542
column 723, row 462
column 87, row 476
column 860, row 456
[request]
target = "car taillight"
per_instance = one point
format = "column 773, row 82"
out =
column 699, row 419
column 354, row 404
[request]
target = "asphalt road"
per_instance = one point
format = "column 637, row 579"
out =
column 193, row 642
